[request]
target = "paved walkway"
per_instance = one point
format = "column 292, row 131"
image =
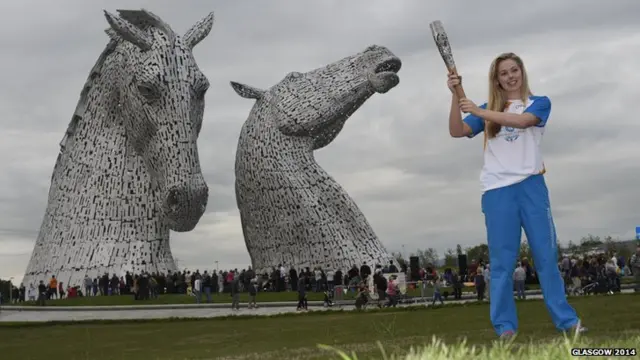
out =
column 186, row 311
column 224, row 305
column 60, row 314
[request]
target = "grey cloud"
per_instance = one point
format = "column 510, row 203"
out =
column 222, row 200
column 417, row 186
column 19, row 209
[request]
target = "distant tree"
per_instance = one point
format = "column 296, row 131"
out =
column 560, row 249
column 4, row 291
column 427, row 256
column 625, row 251
column 459, row 250
column 399, row 259
column 431, row 256
column 573, row 248
column 450, row 259
column 609, row 245
column 478, row 252
column 525, row 251
column 589, row 242
column 481, row 251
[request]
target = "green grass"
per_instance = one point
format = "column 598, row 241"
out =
column 564, row 348
column 296, row 336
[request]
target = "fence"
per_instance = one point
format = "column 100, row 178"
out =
column 409, row 292
column 422, row 291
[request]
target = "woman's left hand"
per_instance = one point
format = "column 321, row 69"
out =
column 469, row 107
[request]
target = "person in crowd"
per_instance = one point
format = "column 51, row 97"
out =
column 437, row 295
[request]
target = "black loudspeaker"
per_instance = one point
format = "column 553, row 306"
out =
column 414, row 265
column 462, row 264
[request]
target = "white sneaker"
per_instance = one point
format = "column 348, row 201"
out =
column 578, row 328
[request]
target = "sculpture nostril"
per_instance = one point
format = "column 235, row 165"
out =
column 172, row 199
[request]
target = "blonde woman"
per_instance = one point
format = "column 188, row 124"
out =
column 515, row 194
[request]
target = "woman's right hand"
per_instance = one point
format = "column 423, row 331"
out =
column 453, row 81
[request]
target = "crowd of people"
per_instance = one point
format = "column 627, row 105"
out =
column 582, row 274
column 201, row 284
column 599, row 273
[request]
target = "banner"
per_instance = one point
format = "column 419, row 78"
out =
column 637, row 232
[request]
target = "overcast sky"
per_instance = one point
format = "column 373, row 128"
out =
column 417, row 186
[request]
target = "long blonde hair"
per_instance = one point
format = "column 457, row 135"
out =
column 497, row 100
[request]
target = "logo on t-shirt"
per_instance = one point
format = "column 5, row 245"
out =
column 511, row 134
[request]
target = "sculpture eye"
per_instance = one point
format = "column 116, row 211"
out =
column 148, row 92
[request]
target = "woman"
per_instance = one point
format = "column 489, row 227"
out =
column 515, row 195
column 480, row 283
column 437, row 295
column 362, row 295
column 392, row 291
column 302, row 292
column 61, row 290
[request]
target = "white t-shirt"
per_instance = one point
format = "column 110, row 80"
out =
column 330, row 274
column 514, row 154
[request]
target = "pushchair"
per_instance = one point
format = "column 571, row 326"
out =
column 589, row 286
column 328, row 298
column 600, row 284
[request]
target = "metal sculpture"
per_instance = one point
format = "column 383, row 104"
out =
column 293, row 212
column 128, row 170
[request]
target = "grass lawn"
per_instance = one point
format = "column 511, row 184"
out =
column 296, row 336
column 224, row 298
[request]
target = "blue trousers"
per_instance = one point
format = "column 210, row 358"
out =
column 507, row 211
column 520, row 289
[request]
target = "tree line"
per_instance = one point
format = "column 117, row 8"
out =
column 588, row 243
